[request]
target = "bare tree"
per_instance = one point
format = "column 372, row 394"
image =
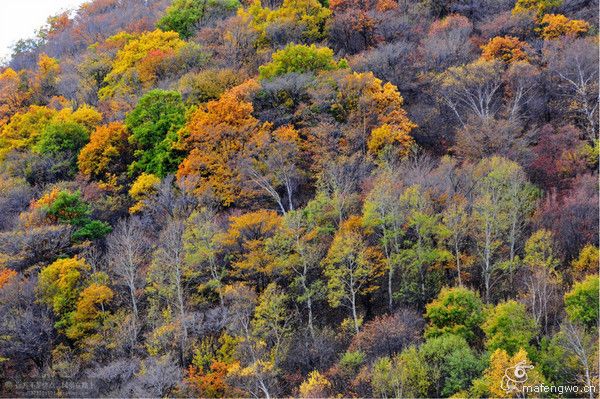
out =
column 128, row 251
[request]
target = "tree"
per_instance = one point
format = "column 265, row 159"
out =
column 87, row 315
column 451, row 364
column 543, row 281
column 557, row 25
column 572, row 64
column 68, row 208
column 507, row 326
column 128, row 251
column 154, row 124
column 586, row 263
column 538, row 7
column 315, row 386
column 423, row 252
column 351, row 267
column 63, row 140
column 456, row 218
column 131, row 66
column 387, row 335
column 202, row 246
column 576, row 353
column 294, row 21
column 13, row 96
column 169, row 279
column 274, row 164
column 385, row 217
column 404, row 375
column 503, row 202
column 581, row 303
column 215, row 136
column 271, row 322
column 60, row 284
column 300, row 58
column 494, row 382
column 472, row 89
column 508, row 49
column 143, row 188
column 246, row 242
column 456, row 311
column 185, row 16
column 300, row 247
column 108, row 153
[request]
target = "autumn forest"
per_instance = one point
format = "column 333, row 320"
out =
column 301, row 198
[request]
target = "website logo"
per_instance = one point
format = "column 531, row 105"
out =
column 515, row 376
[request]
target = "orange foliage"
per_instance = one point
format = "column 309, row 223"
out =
column 505, row 48
column 209, row 384
column 556, row 25
column 12, row 96
column 451, row 22
column 5, row 276
column 215, row 135
column 103, row 156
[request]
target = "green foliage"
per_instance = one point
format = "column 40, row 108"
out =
column 457, row 311
column 351, row 362
column 508, row 326
column 404, row 375
column 69, row 208
column 300, row 58
column 184, row 16
column 154, row 123
column 581, row 303
column 451, row 364
column 63, row 139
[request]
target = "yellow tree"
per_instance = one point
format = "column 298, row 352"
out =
column 351, row 267
column 107, row 154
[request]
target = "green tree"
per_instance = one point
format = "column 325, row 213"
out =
column 581, row 303
column 403, row 376
column 69, row 208
column 543, row 281
column 271, row 322
column 423, row 252
column 451, row 364
column 63, row 141
column 457, row 311
column 154, row 124
column 508, row 326
column 184, row 16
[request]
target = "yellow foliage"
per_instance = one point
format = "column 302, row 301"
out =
column 246, row 238
column 390, row 135
column 132, row 61
column 504, row 377
column 87, row 313
column 315, row 386
column 310, row 15
column 587, row 262
column 12, row 94
column 100, row 157
column 557, row 25
column 143, row 187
